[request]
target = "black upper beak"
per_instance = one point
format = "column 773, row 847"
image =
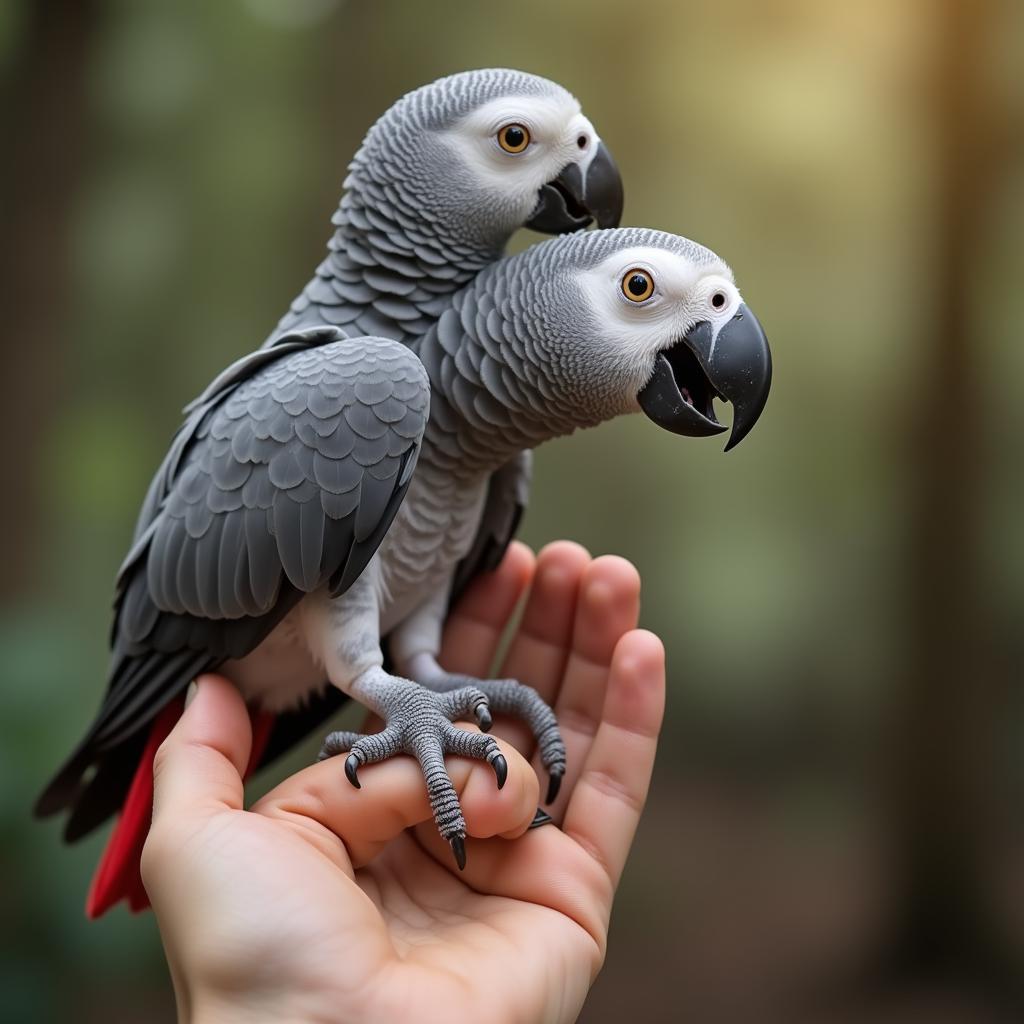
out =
column 736, row 366
column 571, row 202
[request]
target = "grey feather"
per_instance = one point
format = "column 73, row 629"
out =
column 189, row 598
column 286, row 470
column 508, row 493
column 391, row 268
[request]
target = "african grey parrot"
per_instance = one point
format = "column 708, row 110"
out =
column 440, row 183
column 322, row 495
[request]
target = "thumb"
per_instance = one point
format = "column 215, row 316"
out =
column 200, row 764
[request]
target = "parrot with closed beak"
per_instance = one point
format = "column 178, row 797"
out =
column 321, row 496
column 440, row 183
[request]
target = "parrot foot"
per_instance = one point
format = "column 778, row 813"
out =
column 510, row 697
column 419, row 722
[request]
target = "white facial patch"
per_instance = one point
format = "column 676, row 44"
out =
column 682, row 297
column 555, row 126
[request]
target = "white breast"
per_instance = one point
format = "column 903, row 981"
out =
column 282, row 672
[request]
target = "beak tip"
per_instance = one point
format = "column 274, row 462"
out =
column 745, row 366
column 742, row 424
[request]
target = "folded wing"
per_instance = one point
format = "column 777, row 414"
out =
column 284, row 478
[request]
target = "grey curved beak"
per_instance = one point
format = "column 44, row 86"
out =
column 570, row 201
column 736, row 366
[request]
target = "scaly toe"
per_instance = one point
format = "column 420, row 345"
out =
column 335, row 742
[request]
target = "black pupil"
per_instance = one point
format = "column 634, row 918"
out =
column 514, row 137
column 718, row 300
column 582, row 142
column 637, row 285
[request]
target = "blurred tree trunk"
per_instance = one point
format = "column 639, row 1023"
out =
column 45, row 106
column 953, row 699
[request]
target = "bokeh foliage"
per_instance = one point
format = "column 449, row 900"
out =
column 197, row 150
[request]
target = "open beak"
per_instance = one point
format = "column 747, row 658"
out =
column 689, row 375
column 571, row 201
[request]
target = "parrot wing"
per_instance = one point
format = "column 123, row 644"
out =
column 507, row 497
column 285, row 477
column 195, row 412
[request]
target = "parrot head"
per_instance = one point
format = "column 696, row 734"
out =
column 649, row 321
column 478, row 155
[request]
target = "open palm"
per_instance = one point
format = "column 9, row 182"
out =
column 324, row 902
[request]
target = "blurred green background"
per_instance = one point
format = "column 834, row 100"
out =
column 833, row 832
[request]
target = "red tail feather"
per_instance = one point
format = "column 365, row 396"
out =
column 118, row 875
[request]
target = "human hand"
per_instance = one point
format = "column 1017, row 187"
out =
column 327, row 903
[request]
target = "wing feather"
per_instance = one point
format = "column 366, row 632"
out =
column 284, row 478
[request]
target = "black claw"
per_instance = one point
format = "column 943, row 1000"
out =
column 483, row 717
column 500, row 766
column 541, row 818
column 352, row 770
column 554, row 785
column 459, row 849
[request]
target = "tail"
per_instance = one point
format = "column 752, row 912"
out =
column 118, row 875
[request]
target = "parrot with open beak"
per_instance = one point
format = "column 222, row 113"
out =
column 323, row 493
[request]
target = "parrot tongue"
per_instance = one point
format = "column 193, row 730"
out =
column 694, row 387
column 679, row 397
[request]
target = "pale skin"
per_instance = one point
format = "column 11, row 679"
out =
column 327, row 903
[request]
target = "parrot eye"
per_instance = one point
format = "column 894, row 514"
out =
column 718, row 300
column 637, row 285
column 513, row 138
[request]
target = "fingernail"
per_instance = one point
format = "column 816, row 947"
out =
column 190, row 693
